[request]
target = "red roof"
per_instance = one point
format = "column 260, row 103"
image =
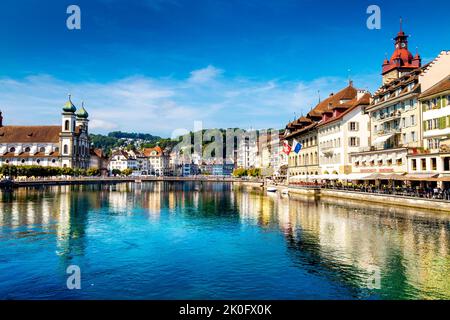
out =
column 148, row 151
column 364, row 100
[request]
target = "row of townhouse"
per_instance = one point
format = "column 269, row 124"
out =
column 401, row 132
column 148, row 161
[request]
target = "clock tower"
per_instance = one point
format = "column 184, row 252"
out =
column 402, row 61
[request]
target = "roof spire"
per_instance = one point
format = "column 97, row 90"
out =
column 401, row 24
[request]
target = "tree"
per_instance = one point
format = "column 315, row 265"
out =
column 240, row 172
column 67, row 171
column 116, row 172
column 127, row 172
column 92, row 172
column 254, row 172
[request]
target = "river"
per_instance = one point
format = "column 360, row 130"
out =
column 192, row 240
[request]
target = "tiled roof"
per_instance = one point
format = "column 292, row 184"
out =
column 403, row 81
column 97, row 152
column 364, row 100
column 120, row 153
column 148, row 151
column 443, row 85
column 347, row 94
column 28, row 155
column 31, row 134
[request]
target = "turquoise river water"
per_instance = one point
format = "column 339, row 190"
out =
column 162, row 240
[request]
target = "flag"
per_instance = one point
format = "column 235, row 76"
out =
column 287, row 148
column 297, row 146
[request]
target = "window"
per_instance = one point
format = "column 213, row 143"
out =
column 353, row 126
column 12, row 149
column 414, row 164
column 423, row 165
column 413, row 136
column 413, row 120
column 66, row 149
column 434, row 103
column 435, row 124
column 399, row 161
column 66, row 125
column 41, row 149
column 27, row 149
column 354, row 142
column 433, row 164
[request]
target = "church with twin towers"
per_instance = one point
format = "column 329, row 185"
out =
column 66, row 145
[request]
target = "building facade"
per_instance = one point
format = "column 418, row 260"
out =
column 305, row 130
column 403, row 119
column 122, row 160
column 158, row 161
column 344, row 129
column 434, row 157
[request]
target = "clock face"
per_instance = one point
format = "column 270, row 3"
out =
column 403, row 45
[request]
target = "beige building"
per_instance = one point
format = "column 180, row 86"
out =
column 344, row 129
column 305, row 131
column 394, row 113
column 434, row 158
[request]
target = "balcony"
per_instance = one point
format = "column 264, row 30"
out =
column 393, row 130
column 385, row 117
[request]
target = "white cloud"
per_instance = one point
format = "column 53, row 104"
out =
column 159, row 106
column 205, row 75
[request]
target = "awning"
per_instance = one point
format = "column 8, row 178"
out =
column 382, row 139
column 420, row 176
column 356, row 176
column 443, row 177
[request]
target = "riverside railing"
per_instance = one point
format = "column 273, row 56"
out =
column 424, row 193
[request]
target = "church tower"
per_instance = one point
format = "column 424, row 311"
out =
column 67, row 135
column 402, row 61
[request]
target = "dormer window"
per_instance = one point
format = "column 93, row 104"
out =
column 12, row 149
column 27, row 149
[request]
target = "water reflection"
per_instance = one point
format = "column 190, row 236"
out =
column 347, row 241
column 330, row 239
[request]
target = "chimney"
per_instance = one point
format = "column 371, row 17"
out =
column 1, row 119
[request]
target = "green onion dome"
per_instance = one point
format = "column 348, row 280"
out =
column 82, row 113
column 69, row 106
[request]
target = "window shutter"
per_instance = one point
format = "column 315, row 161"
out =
column 425, row 126
column 442, row 123
column 357, row 142
column 357, row 126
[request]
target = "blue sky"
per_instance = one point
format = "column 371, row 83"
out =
column 157, row 65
